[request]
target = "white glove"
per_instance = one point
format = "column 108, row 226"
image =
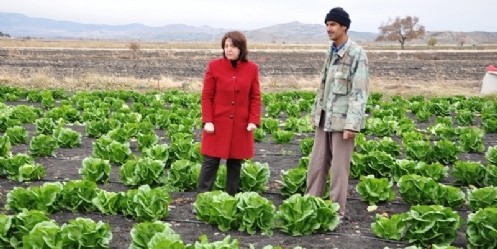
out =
column 209, row 127
column 251, row 127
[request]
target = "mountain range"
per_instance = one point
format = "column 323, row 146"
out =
column 22, row 26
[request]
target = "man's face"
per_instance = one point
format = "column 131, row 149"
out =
column 335, row 30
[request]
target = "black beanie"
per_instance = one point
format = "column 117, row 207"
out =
column 338, row 15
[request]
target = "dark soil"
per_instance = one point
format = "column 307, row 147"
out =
column 467, row 66
column 354, row 232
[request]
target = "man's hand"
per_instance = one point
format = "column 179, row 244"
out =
column 209, row 127
column 251, row 127
column 348, row 134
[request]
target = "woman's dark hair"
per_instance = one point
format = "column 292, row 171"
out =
column 239, row 41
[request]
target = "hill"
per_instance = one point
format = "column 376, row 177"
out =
column 20, row 26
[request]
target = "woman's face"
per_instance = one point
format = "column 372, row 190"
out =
column 230, row 51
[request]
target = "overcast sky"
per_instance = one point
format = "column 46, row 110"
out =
column 366, row 15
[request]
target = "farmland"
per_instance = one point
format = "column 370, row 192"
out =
column 284, row 72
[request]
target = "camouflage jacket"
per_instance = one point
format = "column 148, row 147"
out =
column 345, row 78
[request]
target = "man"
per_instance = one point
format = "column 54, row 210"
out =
column 339, row 111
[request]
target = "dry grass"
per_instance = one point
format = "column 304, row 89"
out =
column 101, row 44
column 425, row 88
column 43, row 79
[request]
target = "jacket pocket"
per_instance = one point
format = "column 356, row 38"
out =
column 341, row 84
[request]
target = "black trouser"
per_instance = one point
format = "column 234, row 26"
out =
column 208, row 173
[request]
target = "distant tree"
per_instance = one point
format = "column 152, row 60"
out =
column 134, row 46
column 461, row 39
column 401, row 30
column 432, row 41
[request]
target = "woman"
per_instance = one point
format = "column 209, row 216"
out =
column 231, row 107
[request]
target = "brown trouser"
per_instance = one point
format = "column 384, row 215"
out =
column 330, row 149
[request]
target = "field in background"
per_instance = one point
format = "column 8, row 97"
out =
column 142, row 66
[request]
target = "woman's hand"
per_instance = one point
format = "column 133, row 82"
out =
column 209, row 127
column 251, row 127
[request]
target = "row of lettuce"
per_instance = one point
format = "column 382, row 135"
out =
column 422, row 225
column 418, row 163
column 34, row 229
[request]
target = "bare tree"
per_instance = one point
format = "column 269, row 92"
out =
column 461, row 39
column 134, row 46
column 401, row 30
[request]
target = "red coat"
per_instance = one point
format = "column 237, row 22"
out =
column 231, row 99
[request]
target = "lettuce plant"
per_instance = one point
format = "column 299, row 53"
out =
column 22, row 224
column 217, row 208
column 306, row 146
column 108, row 149
column 254, row 176
column 468, row 173
column 67, row 137
column 45, row 126
column 416, row 189
column 17, row 135
column 491, row 155
column 143, row 171
column 158, row 152
column 436, row 170
column 490, row 175
column 298, row 125
column 482, row 198
column 45, row 234
column 99, row 127
column 95, row 169
column 146, row 140
column 5, row 146
column 471, row 140
column 259, row 135
column 381, row 127
column 77, row 195
column 254, row 212
column 282, row 136
column 44, row 198
column 294, row 181
column 43, row 145
column 148, row 234
column 392, row 228
column 434, row 224
column 302, row 215
column 374, row 190
column 481, row 228
column 183, row 176
column 11, row 165
column 377, row 163
column 270, row 125
column 5, row 225
column 25, row 114
column 119, row 135
column 445, row 152
column 220, row 182
column 226, row 243
column 85, row 233
column 147, row 204
column 106, row 202
column 29, row 172
column 419, row 150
